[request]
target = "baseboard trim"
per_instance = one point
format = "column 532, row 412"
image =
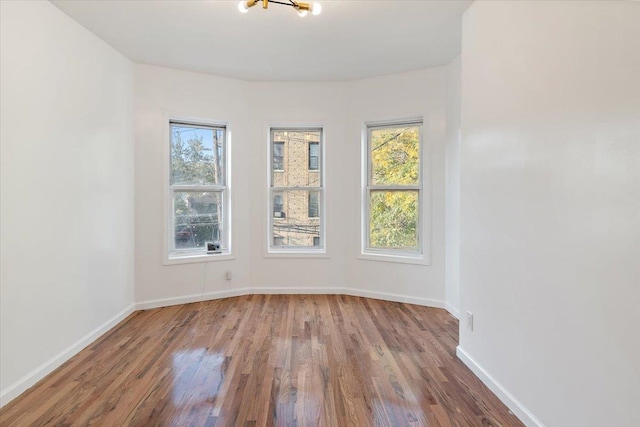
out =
column 166, row 302
column 499, row 390
column 24, row 383
column 453, row 310
column 427, row 302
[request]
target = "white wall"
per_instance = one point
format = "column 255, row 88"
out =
column 452, row 188
column 250, row 108
column 550, row 207
column 66, row 187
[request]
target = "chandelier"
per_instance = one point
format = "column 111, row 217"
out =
column 300, row 7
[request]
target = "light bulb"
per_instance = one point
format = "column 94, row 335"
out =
column 302, row 13
column 242, row 7
column 316, row 9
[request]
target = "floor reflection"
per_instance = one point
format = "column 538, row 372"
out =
column 197, row 378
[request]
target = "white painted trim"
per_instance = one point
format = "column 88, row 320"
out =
column 370, row 255
column 17, row 388
column 283, row 290
column 201, row 257
column 268, row 251
column 165, row 302
column 503, row 394
column 453, row 310
column 187, row 299
column 169, row 258
column 426, row 302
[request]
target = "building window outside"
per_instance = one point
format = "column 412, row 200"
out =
column 296, row 189
column 313, row 156
column 198, row 189
column 393, row 191
column 313, row 205
column 278, row 156
column 278, row 206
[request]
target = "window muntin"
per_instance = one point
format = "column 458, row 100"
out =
column 197, row 188
column 393, row 190
column 296, row 191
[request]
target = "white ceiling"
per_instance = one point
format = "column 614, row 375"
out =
column 349, row 40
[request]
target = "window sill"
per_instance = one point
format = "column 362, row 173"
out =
column 420, row 259
column 194, row 258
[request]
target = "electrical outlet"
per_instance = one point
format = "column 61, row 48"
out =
column 227, row 275
column 470, row 320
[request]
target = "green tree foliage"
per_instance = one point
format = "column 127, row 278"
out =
column 395, row 154
column 192, row 162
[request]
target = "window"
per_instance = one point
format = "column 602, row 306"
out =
column 198, row 189
column 313, row 205
column 393, row 191
column 278, row 207
column 296, row 190
column 313, row 156
column 278, row 156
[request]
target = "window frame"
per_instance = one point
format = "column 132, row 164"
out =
column 181, row 256
column 271, row 250
column 367, row 252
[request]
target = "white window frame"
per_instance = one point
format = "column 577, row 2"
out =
column 420, row 255
column 182, row 256
column 296, row 251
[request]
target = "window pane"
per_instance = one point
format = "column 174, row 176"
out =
column 198, row 218
column 395, row 155
column 197, row 155
column 292, row 226
column 314, row 153
column 294, row 170
column 278, row 156
column 393, row 219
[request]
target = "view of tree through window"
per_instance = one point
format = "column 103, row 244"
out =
column 394, row 186
column 197, row 185
column 296, row 188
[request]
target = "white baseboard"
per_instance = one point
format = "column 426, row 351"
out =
column 427, row 302
column 453, row 310
column 499, row 390
column 17, row 388
column 281, row 290
column 165, row 302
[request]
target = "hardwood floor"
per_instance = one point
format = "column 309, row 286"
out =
column 286, row 360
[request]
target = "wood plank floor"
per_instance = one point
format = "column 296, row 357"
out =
column 286, row 360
